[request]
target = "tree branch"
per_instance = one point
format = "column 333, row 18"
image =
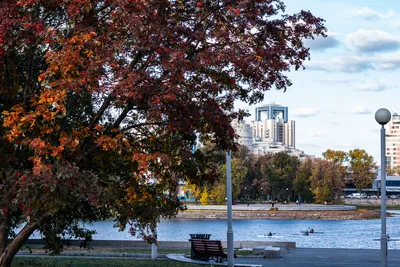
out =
column 140, row 125
column 79, row 154
column 101, row 111
column 122, row 116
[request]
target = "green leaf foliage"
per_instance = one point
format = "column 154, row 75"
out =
column 302, row 184
column 362, row 168
column 325, row 180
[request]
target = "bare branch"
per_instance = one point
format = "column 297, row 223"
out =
column 101, row 111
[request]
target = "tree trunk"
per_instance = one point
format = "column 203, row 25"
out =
column 8, row 252
column 4, row 222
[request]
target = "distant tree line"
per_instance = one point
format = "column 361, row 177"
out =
column 283, row 177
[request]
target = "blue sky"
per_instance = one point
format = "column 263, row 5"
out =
column 351, row 74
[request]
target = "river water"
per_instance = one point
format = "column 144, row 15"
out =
column 329, row 234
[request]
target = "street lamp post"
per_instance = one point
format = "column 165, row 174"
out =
column 382, row 116
column 229, row 233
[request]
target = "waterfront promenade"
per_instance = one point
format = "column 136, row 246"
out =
column 299, row 257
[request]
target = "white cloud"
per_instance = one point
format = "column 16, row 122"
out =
column 387, row 61
column 360, row 110
column 346, row 63
column 373, row 86
column 369, row 43
column 369, row 14
column 306, row 112
column 354, row 63
column 373, row 40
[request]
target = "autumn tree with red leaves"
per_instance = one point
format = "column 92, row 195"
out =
column 102, row 102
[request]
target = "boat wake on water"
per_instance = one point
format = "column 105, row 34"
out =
column 271, row 236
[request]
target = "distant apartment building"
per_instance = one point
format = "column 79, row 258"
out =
column 393, row 141
column 244, row 132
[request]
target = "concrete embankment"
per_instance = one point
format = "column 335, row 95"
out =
column 280, row 212
column 165, row 244
column 390, row 202
column 279, row 206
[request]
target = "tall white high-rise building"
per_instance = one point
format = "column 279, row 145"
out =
column 393, row 141
column 275, row 128
column 271, row 132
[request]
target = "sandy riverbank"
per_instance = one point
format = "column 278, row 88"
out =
column 283, row 215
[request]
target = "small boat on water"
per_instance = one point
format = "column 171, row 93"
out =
column 315, row 232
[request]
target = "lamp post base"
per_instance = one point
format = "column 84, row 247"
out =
column 384, row 251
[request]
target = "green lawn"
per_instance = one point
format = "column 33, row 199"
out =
column 137, row 250
column 89, row 262
column 185, row 251
column 31, row 260
column 143, row 250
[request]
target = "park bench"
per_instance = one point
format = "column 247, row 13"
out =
column 206, row 250
column 197, row 236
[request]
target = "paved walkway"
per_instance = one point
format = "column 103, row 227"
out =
column 268, row 206
column 240, row 263
column 312, row 257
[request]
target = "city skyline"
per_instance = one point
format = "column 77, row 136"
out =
column 351, row 74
